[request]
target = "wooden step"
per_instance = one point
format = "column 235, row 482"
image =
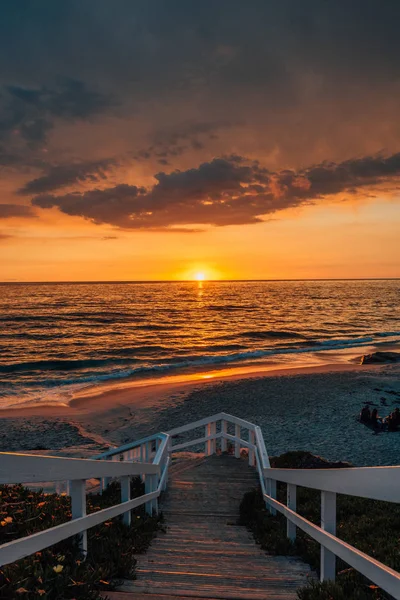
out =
column 203, row 552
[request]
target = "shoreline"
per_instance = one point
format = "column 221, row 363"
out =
column 311, row 408
column 101, row 398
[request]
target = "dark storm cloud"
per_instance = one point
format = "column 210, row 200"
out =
column 307, row 80
column 30, row 113
column 15, row 210
column 175, row 141
column 60, row 176
column 225, row 191
column 143, row 49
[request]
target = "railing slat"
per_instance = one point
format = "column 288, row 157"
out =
column 208, row 434
column 251, row 450
column 125, row 496
column 77, row 490
column 291, row 494
column 17, row 549
column 385, row 577
column 224, row 431
column 237, row 444
column 328, row 523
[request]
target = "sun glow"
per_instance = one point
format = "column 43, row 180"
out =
column 200, row 276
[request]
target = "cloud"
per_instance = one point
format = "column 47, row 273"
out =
column 60, row 176
column 7, row 211
column 29, row 113
column 224, row 191
column 173, row 141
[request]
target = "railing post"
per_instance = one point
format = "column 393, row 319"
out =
column 155, row 486
column 208, row 442
column 142, row 454
column 273, row 494
column 237, row 444
column 148, row 487
column 328, row 523
column 165, row 469
column 78, row 508
column 251, row 450
column 214, row 441
column 267, row 485
column 104, row 482
column 291, row 503
column 224, row 430
column 125, row 496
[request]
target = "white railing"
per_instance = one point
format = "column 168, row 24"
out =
column 379, row 483
column 150, row 457
column 25, row 468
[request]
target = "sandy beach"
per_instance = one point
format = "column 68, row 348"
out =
column 310, row 408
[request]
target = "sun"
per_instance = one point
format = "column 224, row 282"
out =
column 199, row 276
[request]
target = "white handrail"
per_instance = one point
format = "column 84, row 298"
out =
column 380, row 483
column 38, row 541
column 376, row 483
column 28, row 468
column 130, row 446
column 388, row 579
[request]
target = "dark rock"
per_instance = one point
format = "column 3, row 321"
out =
column 380, row 357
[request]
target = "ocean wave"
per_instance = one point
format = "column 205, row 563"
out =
column 181, row 362
column 151, row 327
column 63, row 365
column 272, row 334
column 229, row 307
column 386, row 333
column 345, row 342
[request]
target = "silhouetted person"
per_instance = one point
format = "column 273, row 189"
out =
column 394, row 420
column 365, row 415
column 374, row 418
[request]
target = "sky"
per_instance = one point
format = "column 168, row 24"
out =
column 164, row 139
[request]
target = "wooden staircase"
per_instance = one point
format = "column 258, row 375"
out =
column 204, row 552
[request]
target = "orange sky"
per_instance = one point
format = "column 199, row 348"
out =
column 317, row 242
column 243, row 142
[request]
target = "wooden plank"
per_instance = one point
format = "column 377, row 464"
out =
column 204, row 553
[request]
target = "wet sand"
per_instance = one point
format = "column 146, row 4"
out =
column 310, row 408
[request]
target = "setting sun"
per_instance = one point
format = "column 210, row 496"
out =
column 199, row 276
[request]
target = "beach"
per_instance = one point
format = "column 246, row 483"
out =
column 309, row 408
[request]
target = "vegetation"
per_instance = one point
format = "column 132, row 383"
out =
column 59, row 572
column 369, row 525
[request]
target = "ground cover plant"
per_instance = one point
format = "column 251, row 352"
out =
column 369, row 525
column 59, row 572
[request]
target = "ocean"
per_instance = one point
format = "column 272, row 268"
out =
column 57, row 339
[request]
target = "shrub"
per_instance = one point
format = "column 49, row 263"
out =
column 369, row 525
column 60, row 572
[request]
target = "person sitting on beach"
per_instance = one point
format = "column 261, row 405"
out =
column 394, row 420
column 375, row 418
column 365, row 415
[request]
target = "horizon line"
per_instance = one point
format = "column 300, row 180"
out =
column 121, row 281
